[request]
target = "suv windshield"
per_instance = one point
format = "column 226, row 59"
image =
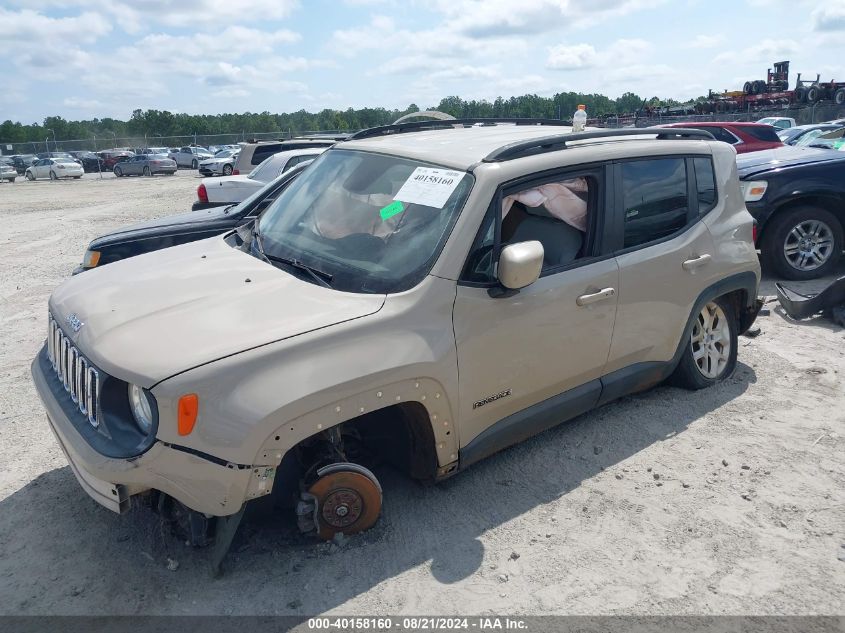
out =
column 372, row 223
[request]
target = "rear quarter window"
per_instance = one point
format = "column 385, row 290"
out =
column 767, row 134
column 655, row 197
column 705, row 180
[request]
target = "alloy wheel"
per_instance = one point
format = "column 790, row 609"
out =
column 808, row 245
column 711, row 341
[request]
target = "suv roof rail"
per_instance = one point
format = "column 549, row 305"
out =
column 542, row 145
column 440, row 124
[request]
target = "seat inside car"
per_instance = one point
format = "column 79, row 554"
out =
column 561, row 242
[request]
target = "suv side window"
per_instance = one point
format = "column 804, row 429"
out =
column 262, row 152
column 655, row 199
column 299, row 159
column 559, row 212
column 705, row 181
column 721, row 134
column 761, row 133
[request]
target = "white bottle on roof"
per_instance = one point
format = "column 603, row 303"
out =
column 579, row 119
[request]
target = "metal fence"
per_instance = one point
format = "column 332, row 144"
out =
column 111, row 141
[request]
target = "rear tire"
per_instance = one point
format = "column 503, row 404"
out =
column 813, row 94
column 147, row 171
column 801, row 94
column 194, row 164
column 839, row 97
column 710, row 354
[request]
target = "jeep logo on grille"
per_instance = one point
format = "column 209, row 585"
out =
column 74, row 322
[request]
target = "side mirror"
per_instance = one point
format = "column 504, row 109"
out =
column 520, row 264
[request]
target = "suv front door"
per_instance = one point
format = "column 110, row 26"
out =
column 528, row 360
column 664, row 255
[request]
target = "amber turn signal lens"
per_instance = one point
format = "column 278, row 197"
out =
column 91, row 259
column 189, row 405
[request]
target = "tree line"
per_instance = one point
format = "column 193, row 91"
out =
column 153, row 123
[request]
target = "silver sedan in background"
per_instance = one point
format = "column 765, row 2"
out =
column 146, row 165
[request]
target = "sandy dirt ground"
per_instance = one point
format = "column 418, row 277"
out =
column 725, row 501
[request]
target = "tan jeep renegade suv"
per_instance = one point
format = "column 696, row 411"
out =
column 425, row 294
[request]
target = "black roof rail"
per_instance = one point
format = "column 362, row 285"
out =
column 440, row 124
column 544, row 144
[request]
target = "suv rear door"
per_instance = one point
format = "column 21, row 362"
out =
column 535, row 355
column 664, row 255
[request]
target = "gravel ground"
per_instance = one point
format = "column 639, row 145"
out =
column 725, row 501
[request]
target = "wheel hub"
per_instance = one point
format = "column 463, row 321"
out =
column 342, row 508
column 347, row 498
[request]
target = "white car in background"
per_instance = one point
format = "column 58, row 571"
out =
column 215, row 192
column 190, row 156
column 780, row 122
column 222, row 164
column 54, row 168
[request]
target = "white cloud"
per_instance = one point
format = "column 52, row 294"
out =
column 764, row 50
column 566, row 57
column 830, row 17
column 436, row 50
column 37, row 30
column 238, row 41
column 78, row 103
column 496, row 18
column 583, row 56
column 706, row 41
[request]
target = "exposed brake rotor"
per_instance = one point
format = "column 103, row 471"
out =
column 346, row 499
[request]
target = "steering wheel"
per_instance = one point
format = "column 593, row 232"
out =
column 362, row 246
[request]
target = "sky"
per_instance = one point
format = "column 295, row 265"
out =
column 80, row 59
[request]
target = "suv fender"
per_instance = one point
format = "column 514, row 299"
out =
column 422, row 402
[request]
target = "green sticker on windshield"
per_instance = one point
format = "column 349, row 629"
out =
column 394, row 208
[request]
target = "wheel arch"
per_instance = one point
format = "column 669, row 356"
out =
column 740, row 289
column 830, row 201
column 412, row 418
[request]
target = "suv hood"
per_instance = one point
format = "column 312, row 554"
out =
column 149, row 317
column 788, row 156
column 168, row 224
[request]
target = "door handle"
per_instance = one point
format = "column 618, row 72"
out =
column 606, row 293
column 692, row 264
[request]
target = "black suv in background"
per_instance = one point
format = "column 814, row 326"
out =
column 173, row 230
column 90, row 161
column 797, row 197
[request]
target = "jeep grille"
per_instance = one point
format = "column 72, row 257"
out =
column 80, row 379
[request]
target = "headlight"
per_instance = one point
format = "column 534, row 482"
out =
column 142, row 409
column 754, row 190
column 91, row 259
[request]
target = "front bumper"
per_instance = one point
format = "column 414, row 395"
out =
column 206, row 486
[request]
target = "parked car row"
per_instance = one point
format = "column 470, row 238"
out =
column 214, row 192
